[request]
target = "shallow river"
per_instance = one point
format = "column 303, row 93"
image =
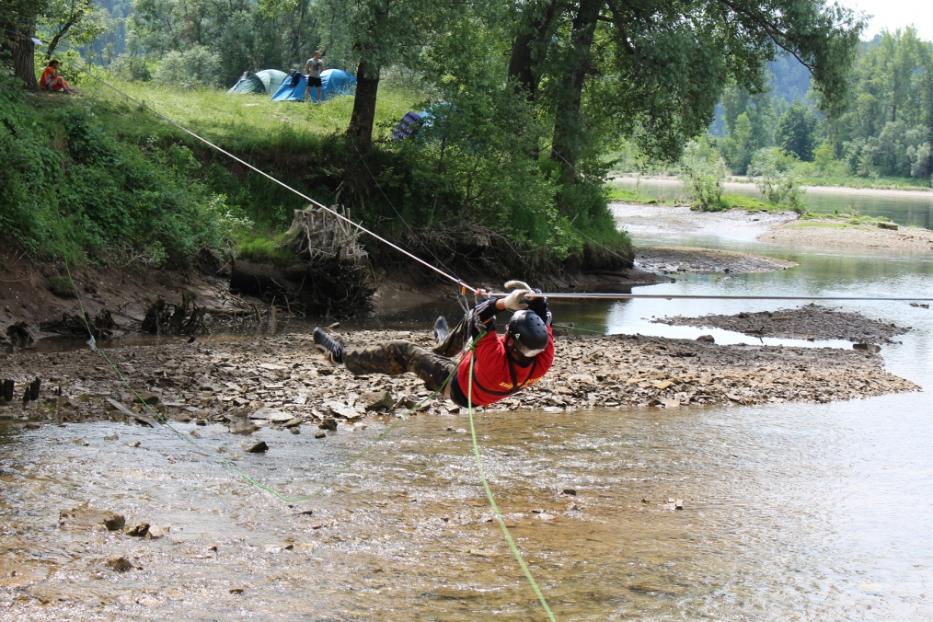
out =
column 790, row 512
column 907, row 207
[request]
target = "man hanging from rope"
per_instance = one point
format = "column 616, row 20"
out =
column 503, row 364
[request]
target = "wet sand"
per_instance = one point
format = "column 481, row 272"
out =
column 829, row 234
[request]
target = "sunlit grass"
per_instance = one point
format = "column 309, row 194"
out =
column 240, row 121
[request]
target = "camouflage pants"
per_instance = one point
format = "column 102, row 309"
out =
column 434, row 367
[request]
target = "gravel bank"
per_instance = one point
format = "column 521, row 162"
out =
column 282, row 381
column 807, row 322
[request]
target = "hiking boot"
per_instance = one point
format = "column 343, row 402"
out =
column 440, row 330
column 328, row 345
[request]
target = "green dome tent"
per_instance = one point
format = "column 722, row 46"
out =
column 262, row 82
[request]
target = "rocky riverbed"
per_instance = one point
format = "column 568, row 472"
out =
column 282, row 381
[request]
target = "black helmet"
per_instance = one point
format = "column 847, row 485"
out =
column 529, row 332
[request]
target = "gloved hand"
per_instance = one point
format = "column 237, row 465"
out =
column 516, row 300
column 539, row 304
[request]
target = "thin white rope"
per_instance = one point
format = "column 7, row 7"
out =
column 625, row 296
column 171, row 121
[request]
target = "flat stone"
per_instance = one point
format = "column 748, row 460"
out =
column 85, row 517
column 259, row 448
column 280, row 417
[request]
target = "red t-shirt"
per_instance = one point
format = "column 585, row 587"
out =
column 48, row 77
column 492, row 380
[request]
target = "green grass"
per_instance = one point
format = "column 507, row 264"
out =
column 842, row 219
column 236, row 122
column 881, row 183
column 131, row 185
column 751, row 204
column 729, row 201
column 630, row 195
column 263, row 249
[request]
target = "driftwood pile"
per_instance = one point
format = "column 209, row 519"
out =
column 163, row 318
column 330, row 273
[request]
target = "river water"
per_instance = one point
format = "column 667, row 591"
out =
column 906, row 207
column 789, row 512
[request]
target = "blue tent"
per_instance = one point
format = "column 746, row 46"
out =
column 333, row 82
column 265, row 81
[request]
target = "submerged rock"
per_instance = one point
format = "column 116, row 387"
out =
column 119, row 564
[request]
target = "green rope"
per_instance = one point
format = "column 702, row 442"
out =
column 516, row 553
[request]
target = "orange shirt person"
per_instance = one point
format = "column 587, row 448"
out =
column 52, row 81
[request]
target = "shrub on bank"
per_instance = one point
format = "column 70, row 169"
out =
column 70, row 190
column 93, row 176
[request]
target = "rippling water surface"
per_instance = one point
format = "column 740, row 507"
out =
column 789, row 512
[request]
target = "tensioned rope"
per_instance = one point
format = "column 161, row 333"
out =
column 277, row 181
column 626, row 296
column 514, row 549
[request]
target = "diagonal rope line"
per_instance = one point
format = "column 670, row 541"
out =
column 275, row 180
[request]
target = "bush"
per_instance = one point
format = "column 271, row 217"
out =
column 130, row 67
column 776, row 181
column 69, row 189
column 703, row 172
column 197, row 66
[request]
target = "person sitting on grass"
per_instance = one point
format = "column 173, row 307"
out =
column 503, row 364
column 52, row 81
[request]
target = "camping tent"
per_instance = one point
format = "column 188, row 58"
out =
column 333, row 82
column 261, row 82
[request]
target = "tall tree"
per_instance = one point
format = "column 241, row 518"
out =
column 17, row 29
column 795, row 132
column 382, row 33
column 536, row 22
column 660, row 65
column 62, row 17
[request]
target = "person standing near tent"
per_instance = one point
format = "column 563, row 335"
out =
column 313, row 69
column 52, row 81
column 498, row 365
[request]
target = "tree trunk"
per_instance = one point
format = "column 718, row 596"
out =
column 530, row 44
column 360, row 130
column 568, row 122
column 23, row 52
